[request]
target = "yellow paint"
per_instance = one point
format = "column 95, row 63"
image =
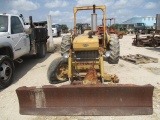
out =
column 87, row 31
column 108, row 39
column 76, row 9
column 71, row 38
column 88, row 62
column 83, row 43
column 86, row 67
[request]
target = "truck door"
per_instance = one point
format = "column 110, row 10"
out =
column 19, row 37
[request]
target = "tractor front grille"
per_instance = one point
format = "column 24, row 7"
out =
column 87, row 55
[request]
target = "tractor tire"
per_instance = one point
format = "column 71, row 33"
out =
column 58, row 71
column 6, row 71
column 65, row 44
column 41, row 50
column 114, row 49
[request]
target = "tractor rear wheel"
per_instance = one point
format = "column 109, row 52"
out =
column 58, row 71
column 114, row 49
column 65, row 44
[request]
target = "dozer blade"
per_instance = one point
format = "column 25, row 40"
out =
column 99, row 99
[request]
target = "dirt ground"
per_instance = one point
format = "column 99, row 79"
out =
column 32, row 72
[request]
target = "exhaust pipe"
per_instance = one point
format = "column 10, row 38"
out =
column 94, row 20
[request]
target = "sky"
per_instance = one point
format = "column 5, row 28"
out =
column 62, row 10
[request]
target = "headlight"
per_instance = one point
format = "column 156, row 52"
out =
column 65, row 55
column 108, row 53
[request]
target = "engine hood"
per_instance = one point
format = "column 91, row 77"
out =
column 83, row 43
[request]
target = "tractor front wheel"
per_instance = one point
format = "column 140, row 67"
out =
column 58, row 71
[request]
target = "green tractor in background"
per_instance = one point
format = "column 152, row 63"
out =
column 119, row 29
column 81, row 27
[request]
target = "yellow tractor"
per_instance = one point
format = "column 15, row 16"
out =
column 82, row 64
column 86, row 51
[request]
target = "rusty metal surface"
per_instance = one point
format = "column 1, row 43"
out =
column 111, row 78
column 96, row 99
column 139, row 59
column 91, row 76
column 149, row 40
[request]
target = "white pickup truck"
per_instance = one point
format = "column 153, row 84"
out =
column 56, row 30
column 17, row 40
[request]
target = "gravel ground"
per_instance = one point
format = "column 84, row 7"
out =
column 32, row 72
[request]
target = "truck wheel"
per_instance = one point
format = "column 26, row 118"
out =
column 114, row 49
column 58, row 71
column 6, row 71
column 41, row 50
column 59, row 34
column 65, row 44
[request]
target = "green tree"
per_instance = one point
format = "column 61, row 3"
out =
column 64, row 27
column 114, row 26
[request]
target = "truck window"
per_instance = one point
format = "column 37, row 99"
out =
column 16, row 25
column 3, row 23
column 53, row 26
column 140, row 24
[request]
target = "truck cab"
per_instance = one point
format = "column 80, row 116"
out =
column 56, row 30
column 12, row 36
column 16, row 40
column 140, row 28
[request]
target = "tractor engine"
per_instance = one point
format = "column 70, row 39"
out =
column 86, row 48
